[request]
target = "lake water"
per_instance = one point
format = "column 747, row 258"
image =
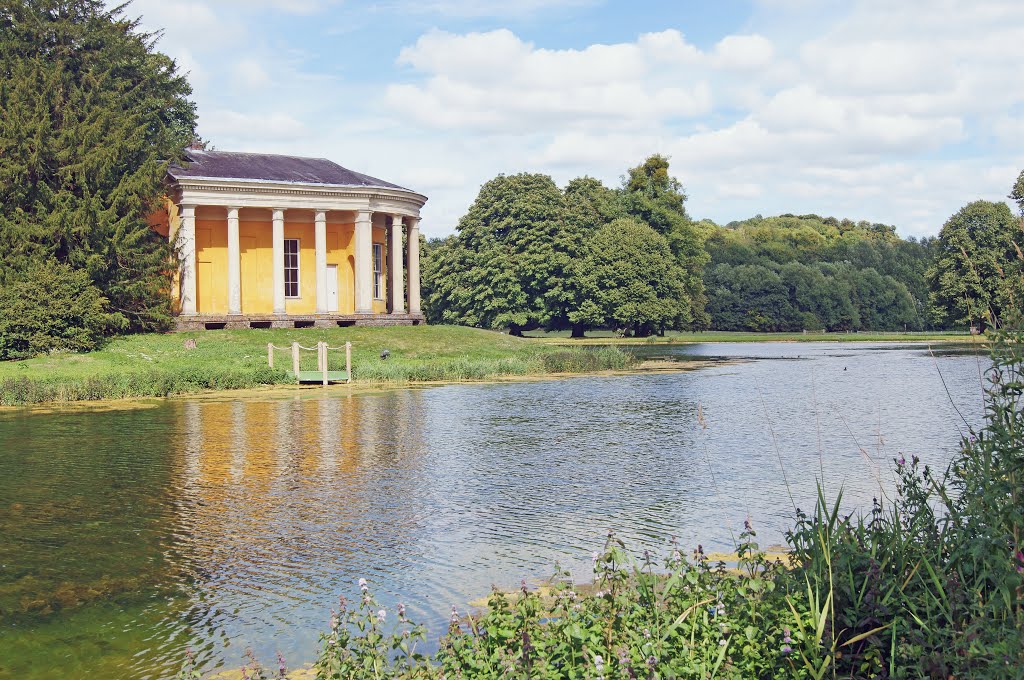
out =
column 130, row 535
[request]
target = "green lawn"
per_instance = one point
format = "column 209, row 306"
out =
column 160, row 364
column 680, row 337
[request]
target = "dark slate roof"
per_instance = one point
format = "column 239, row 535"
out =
column 272, row 168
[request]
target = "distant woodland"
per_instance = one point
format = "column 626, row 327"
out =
column 529, row 255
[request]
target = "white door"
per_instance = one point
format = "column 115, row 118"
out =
column 332, row 288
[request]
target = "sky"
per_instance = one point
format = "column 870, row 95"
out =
column 898, row 112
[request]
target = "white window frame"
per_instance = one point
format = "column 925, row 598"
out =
column 298, row 271
column 378, row 271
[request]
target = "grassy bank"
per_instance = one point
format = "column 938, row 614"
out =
column 681, row 337
column 161, row 365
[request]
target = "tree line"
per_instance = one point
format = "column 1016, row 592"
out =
column 528, row 255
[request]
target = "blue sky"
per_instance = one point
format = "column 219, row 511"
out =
column 894, row 112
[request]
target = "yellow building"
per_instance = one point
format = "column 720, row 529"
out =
column 283, row 241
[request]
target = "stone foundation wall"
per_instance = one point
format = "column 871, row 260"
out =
column 216, row 322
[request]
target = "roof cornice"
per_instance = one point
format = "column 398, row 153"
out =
column 249, row 187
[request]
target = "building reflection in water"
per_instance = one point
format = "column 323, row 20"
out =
column 285, row 504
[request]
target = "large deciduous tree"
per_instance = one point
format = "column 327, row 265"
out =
column 496, row 272
column 657, row 199
column 977, row 267
column 635, row 280
column 90, row 115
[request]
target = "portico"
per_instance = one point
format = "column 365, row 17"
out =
column 283, row 241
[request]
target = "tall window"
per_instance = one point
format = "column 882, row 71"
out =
column 378, row 271
column 291, row 267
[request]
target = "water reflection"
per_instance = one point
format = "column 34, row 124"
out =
column 242, row 521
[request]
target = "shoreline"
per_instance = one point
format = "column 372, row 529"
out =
column 311, row 391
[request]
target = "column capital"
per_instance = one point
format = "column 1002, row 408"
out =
column 364, row 215
column 320, row 215
column 188, row 208
column 397, row 220
column 232, row 212
column 278, row 213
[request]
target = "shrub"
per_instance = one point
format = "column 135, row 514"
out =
column 52, row 307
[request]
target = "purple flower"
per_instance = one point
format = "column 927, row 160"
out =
column 362, row 585
column 786, row 650
column 401, row 610
column 455, row 616
column 901, row 460
column 381, row 615
column 281, row 668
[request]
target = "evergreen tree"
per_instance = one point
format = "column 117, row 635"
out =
column 90, row 116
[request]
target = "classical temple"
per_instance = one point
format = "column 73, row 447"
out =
column 283, row 241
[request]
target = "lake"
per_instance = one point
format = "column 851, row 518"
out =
column 221, row 525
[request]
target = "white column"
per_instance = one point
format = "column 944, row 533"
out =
column 364, row 262
column 414, row 265
column 187, row 259
column 320, row 239
column 234, row 264
column 278, row 264
column 397, row 293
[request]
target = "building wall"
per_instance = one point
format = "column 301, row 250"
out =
column 255, row 231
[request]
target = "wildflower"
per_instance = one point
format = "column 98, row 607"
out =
column 647, row 633
column 598, row 663
column 381, row 615
column 721, row 610
column 786, row 650
column 281, row 668
column 1020, row 561
column 722, row 643
column 335, row 621
column 785, row 636
column 652, row 661
column 746, row 525
column 455, row 616
column 901, row 460
column 401, row 611
column 362, row 585
column 596, row 557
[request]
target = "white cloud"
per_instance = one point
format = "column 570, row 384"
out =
column 495, row 81
column 252, row 128
column 250, row 73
